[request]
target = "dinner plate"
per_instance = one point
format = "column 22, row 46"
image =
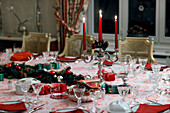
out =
column 70, row 109
column 12, row 102
column 134, row 109
column 59, row 95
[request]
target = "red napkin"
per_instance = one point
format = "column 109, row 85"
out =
column 13, row 107
column 145, row 108
column 148, row 66
column 22, row 56
column 108, row 62
column 74, row 111
column 66, row 58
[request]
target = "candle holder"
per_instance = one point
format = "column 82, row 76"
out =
column 86, row 58
column 116, row 55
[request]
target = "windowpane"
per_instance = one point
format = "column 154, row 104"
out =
column 142, row 13
column 167, row 24
column 109, row 9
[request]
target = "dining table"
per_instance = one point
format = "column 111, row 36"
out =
column 80, row 67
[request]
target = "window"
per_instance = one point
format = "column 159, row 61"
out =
column 109, row 8
column 167, row 19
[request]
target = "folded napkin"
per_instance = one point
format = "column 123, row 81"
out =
column 67, row 58
column 108, row 62
column 13, row 107
column 145, row 108
column 74, row 111
column 22, row 56
column 148, row 66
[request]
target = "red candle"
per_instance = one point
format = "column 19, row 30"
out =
column 100, row 25
column 116, row 38
column 84, row 34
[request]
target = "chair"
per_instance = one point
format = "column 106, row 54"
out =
column 137, row 47
column 36, row 42
column 74, row 45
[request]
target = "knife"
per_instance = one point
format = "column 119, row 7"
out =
column 37, row 108
column 154, row 102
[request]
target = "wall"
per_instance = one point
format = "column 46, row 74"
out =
column 26, row 9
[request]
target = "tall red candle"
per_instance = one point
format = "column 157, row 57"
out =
column 116, row 37
column 84, row 34
column 100, row 25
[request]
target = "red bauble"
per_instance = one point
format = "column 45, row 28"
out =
column 52, row 72
column 68, row 71
column 8, row 65
column 18, row 67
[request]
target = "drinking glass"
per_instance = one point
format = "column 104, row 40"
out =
column 156, row 68
column 8, row 53
column 55, row 55
column 79, row 92
column 142, row 62
column 123, row 91
column 94, row 96
column 155, row 78
column 25, row 85
column 134, row 91
column 45, row 55
column 37, row 88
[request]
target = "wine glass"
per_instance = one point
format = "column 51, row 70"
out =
column 123, row 91
column 142, row 62
column 45, row 55
column 94, row 96
column 134, row 91
column 79, row 92
column 37, row 88
column 156, row 68
column 155, row 78
column 25, row 85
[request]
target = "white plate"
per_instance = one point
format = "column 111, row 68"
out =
column 12, row 102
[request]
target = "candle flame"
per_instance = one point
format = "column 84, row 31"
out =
column 84, row 19
column 100, row 13
column 115, row 17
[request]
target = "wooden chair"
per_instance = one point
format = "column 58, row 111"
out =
column 74, row 45
column 137, row 47
column 36, row 42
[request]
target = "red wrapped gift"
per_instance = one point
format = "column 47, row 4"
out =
column 107, row 76
column 46, row 89
column 22, row 56
column 59, row 87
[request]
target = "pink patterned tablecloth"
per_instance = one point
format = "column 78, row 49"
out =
column 83, row 68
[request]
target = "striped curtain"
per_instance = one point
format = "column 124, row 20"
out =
column 69, row 14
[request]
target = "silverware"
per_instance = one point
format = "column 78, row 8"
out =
column 37, row 108
column 154, row 102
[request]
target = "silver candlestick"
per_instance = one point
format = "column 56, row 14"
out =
column 86, row 58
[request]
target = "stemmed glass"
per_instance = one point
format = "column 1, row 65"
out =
column 134, row 91
column 94, row 96
column 45, row 56
column 156, row 68
column 123, row 91
column 155, row 78
column 142, row 62
column 79, row 92
column 37, row 88
column 25, row 85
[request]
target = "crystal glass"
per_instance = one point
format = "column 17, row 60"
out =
column 156, row 68
column 94, row 96
column 154, row 79
column 79, row 92
column 25, row 85
column 45, row 56
column 123, row 91
column 55, row 55
column 132, row 68
column 37, row 88
column 134, row 89
column 142, row 62
column 8, row 53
